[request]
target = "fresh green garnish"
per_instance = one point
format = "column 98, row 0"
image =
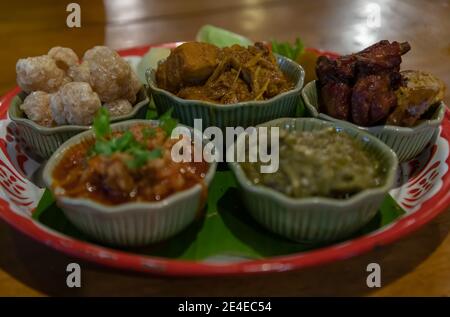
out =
column 149, row 133
column 292, row 51
column 102, row 127
column 102, row 147
column 167, row 123
column 126, row 143
column 120, row 144
column 141, row 156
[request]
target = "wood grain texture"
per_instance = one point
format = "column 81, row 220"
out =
column 416, row 265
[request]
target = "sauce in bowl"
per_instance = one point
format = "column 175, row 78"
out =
column 324, row 163
column 143, row 173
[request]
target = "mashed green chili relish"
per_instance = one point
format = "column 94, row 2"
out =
column 323, row 163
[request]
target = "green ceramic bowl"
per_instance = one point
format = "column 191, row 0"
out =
column 243, row 114
column 316, row 219
column 129, row 224
column 406, row 142
column 41, row 142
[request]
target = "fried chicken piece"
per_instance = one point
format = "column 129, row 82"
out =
column 378, row 90
column 370, row 76
column 372, row 99
column 341, row 69
column 334, row 85
column 335, row 100
column 380, row 57
column 422, row 90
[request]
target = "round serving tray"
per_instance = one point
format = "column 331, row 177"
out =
column 422, row 192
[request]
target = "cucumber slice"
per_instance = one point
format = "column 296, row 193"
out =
column 220, row 37
column 150, row 60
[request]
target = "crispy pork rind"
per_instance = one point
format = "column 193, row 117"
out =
column 39, row 73
column 75, row 103
column 80, row 72
column 57, row 109
column 64, row 57
column 110, row 73
column 37, row 108
column 134, row 85
column 118, row 107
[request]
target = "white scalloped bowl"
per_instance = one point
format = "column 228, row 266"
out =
column 128, row 224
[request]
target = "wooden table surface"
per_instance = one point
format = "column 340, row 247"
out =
column 416, row 265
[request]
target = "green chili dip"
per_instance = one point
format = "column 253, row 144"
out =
column 323, row 163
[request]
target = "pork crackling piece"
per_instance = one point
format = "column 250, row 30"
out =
column 118, row 107
column 75, row 103
column 80, row 72
column 37, row 108
column 109, row 73
column 134, row 85
column 39, row 73
column 64, row 57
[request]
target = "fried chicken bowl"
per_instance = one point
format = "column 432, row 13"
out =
column 403, row 108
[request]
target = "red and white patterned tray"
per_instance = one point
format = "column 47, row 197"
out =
column 423, row 192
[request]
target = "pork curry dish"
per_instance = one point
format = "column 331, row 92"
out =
column 201, row 71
